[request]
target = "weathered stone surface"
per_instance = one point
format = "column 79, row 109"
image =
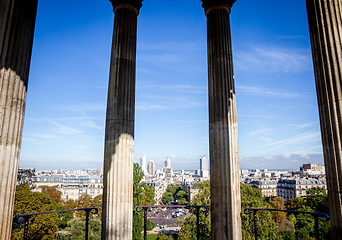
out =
column 117, row 213
column 17, row 21
column 223, row 136
column 325, row 27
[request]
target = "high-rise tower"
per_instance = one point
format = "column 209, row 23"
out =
column 143, row 164
column 204, row 167
column 151, row 167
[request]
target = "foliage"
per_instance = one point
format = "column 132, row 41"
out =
column 314, row 201
column 167, row 197
column 267, row 228
column 137, row 200
column 302, row 234
column 41, row 226
column 182, row 201
column 53, row 193
column 278, row 203
column 76, row 229
column 189, row 226
column 317, row 199
column 165, row 237
column 149, row 194
column 83, row 201
column 288, row 235
column 97, row 202
column 64, row 217
column 150, row 225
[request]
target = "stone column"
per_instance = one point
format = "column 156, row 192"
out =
column 325, row 27
column 117, row 214
column 17, row 21
column 223, row 136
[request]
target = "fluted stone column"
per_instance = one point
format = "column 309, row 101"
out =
column 117, row 213
column 325, row 27
column 17, row 21
column 223, row 136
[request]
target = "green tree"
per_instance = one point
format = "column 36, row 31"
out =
column 288, row 235
column 189, row 225
column 317, row 199
column 41, row 226
column 181, row 194
column 53, row 193
column 97, row 202
column 150, row 225
column 149, row 194
column 76, row 230
column 137, row 200
column 278, row 203
column 64, row 217
column 165, row 237
column 83, row 201
column 167, row 197
column 267, row 228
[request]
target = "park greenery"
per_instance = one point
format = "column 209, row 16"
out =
column 172, row 191
column 271, row 225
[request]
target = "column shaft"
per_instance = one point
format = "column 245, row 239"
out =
column 17, row 21
column 223, row 136
column 325, row 27
column 117, row 214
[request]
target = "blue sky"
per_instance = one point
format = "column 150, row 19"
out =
column 276, row 100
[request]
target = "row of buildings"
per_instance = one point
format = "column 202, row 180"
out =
column 72, row 184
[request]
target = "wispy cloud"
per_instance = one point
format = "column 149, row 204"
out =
column 63, row 129
column 177, row 56
column 261, row 116
column 84, row 109
column 265, row 92
column 273, row 59
column 304, row 125
column 164, row 102
column 259, row 131
column 311, row 136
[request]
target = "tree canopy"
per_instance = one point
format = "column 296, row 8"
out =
column 41, row 226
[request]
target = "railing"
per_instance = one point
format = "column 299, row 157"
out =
column 203, row 208
column 27, row 216
column 316, row 215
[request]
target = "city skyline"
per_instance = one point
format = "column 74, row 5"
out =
column 275, row 89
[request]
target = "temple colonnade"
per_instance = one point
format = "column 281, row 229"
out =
column 17, row 21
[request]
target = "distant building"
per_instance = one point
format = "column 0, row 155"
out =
column 167, row 168
column 143, row 164
column 297, row 187
column 151, row 167
column 167, row 163
column 204, row 167
column 268, row 187
column 71, row 186
column 312, row 169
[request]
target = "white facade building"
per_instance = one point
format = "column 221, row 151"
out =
column 143, row 164
column 151, row 167
column 204, row 167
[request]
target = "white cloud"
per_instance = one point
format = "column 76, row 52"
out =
column 172, row 156
column 269, row 158
column 273, row 59
column 286, row 156
column 311, row 136
column 259, row 131
column 265, row 92
column 304, row 156
column 63, row 129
